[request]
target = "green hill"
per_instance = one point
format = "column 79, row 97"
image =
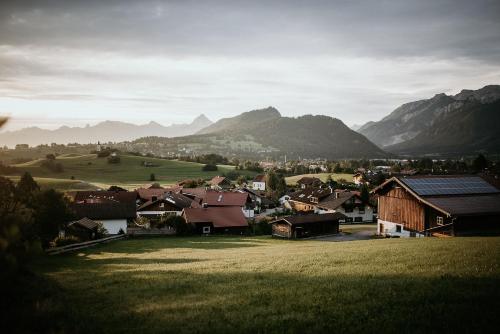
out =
column 130, row 171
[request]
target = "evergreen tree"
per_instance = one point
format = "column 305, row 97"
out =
column 26, row 187
column 365, row 194
column 480, row 163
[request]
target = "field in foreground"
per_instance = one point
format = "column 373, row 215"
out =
column 232, row 284
column 129, row 172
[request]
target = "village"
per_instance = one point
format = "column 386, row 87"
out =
column 402, row 206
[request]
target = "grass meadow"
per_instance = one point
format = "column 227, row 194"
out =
column 128, row 173
column 292, row 180
column 259, row 284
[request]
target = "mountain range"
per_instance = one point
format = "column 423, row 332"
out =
column 465, row 123
column 265, row 133
column 107, row 131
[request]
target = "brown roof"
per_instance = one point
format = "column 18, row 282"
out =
column 468, row 205
column 216, row 180
column 326, row 198
column 225, row 198
column 178, row 201
column 85, row 223
column 104, row 205
column 308, row 180
column 146, row 194
column 259, row 178
column 311, row 218
column 218, row 216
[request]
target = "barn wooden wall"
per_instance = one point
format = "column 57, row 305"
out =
column 398, row 206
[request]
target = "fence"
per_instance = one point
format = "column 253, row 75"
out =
column 81, row 245
column 139, row 231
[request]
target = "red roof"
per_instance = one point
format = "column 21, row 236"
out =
column 218, row 216
column 223, row 198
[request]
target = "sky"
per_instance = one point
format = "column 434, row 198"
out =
column 81, row 62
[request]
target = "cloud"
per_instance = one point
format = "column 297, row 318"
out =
column 172, row 60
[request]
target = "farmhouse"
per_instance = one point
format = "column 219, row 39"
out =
column 437, row 205
column 259, row 182
column 327, row 200
column 214, row 220
column 168, row 204
column 258, row 198
column 308, row 182
column 112, row 209
column 147, row 194
column 306, row 225
column 229, row 199
column 220, row 183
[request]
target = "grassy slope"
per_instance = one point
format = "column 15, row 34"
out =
column 291, row 180
column 128, row 172
column 231, row 284
column 59, row 184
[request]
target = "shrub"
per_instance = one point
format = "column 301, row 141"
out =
column 261, row 227
column 152, row 177
column 114, row 159
column 179, row 224
column 209, row 168
column 64, row 241
column 101, row 231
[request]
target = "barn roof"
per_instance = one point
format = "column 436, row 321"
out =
column 465, row 185
column 216, row 180
column 85, row 223
column 308, row 180
column 218, row 216
column 311, row 218
column 468, row 205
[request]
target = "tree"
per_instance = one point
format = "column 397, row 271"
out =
column 50, row 212
column 26, row 187
column 152, row 177
column 337, row 169
column 365, row 194
column 209, row 168
column 480, row 163
column 179, row 224
column 50, row 156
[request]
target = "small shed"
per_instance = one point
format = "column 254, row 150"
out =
column 84, row 229
column 307, row 225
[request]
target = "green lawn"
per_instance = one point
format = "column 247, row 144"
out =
column 292, row 180
column 233, row 284
column 59, row 184
column 129, row 172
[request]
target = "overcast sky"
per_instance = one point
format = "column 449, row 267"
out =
column 79, row 62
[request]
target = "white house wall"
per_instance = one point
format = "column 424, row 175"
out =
column 113, row 226
column 390, row 229
column 259, row 186
column 367, row 216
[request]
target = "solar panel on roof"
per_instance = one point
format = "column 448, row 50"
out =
column 450, row 186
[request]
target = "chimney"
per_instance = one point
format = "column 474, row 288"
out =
column 337, row 194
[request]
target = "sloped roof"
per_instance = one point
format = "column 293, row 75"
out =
column 468, row 205
column 311, row 218
column 259, row 178
column 216, row 180
column 225, row 198
column 147, row 194
column 177, row 200
column 218, row 216
column 460, row 185
column 104, row 205
column 85, row 223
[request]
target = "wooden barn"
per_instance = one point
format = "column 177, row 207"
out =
column 306, row 225
column 437, row 205
column 216, row 220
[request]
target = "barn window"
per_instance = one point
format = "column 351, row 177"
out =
column 206, row 229
column 439, row 220
column 398, row 228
